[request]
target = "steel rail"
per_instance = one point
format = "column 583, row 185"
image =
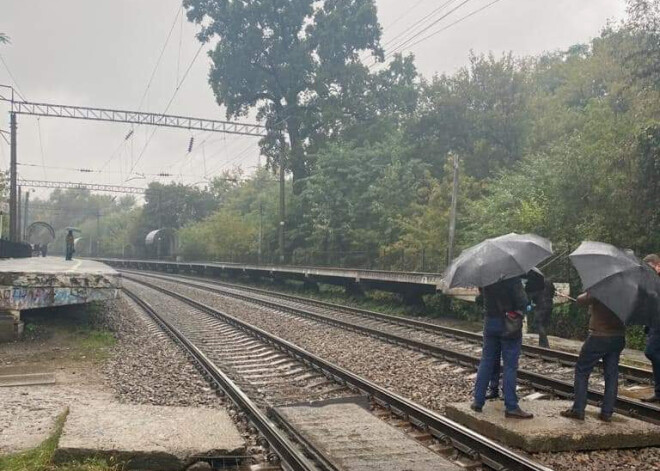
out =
column 287, row 451
column 565, row 358
column 473, row 444
column 538, row 381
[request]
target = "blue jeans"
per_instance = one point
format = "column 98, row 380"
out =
column 595, row 348
column 652, row 352
column 495, row 346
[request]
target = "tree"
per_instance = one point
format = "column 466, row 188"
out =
column 286, row 58
column 480, row 113
column 176, row 205
column 4, row 39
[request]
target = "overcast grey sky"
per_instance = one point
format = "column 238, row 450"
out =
column 102, row 52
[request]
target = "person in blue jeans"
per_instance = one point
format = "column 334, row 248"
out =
column 652, row 351
column 606, row 340
column 503, row 297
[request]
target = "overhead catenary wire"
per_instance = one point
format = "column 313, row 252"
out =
column 453, row 23
column 176, row 91
column 149, row 82
column 399, row 47
column 19, row 92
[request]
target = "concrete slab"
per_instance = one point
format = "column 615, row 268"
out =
column 148, row 437
column 549, row 432
column 353, row 439
column 29, row 283
column 29, row 379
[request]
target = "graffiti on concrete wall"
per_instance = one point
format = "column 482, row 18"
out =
column 31, row 298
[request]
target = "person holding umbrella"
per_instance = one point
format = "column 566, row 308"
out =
column 496, row 265
column 652, row 351
column 619, row 290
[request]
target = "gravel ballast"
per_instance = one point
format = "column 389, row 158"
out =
column 147, row 368
column 418, row 377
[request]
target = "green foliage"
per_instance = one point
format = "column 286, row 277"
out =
column 225, row 235
column 298, row 63
column 4, row 39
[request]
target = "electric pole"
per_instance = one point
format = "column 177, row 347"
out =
column 25, row 214
column 19, row 216
column 261, row 231
column 13, row 202
column 282, row 210
column 452, row 217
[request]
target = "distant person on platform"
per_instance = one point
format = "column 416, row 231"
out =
column 44, row 250
column 69, row 246
column 652, row 351
column 607, row 337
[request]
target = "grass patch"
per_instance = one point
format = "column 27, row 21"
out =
column 79, row 330
column 41, row 457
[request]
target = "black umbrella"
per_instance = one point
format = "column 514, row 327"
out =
column 618, row 279
column 497, row 259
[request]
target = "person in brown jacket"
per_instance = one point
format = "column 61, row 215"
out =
column 606, row 340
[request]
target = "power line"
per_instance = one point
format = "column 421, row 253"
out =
column 403, row 44
column 419, row 22
column 18, row 89
column 149, row 82
column 176, row 90
column 454, row 23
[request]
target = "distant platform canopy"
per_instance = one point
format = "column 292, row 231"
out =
column 162, row 242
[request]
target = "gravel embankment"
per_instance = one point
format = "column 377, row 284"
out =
column 146, row 367
column 428, row 382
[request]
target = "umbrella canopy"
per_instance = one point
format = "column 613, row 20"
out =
column 618, row 279
column 497, row 259
column 73, row 229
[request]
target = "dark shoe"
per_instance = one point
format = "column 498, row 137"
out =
column 572, row 414
column 476, row 408
column 518, row 414
column 605, row 417
column 493, row 394
column 651, row 399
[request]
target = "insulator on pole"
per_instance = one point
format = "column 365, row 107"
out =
column 190, row 144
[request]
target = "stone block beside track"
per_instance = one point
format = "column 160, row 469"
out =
column 148, row 437
column 550, row 432
column 353, row 439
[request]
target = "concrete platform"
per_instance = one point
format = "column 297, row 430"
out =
column 549, row 432
column 353, row 439
column 148, row 437
column 28, row 283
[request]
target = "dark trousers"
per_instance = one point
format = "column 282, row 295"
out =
column 594, row 349
column 652, row 352
column 496, row 346
column 541, row 322
column 69, row 253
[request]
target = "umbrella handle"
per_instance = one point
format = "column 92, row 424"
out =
column 567, row 296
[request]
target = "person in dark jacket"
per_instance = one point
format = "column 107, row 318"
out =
column 69, row 245
column 652, row 351
column 606, row 340
column 543, row 299
column 504, row 298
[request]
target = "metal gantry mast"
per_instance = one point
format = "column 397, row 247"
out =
column 102, row 114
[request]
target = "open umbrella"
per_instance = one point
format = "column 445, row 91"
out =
column 497, row 259
column 73, row 229
column 618, row 279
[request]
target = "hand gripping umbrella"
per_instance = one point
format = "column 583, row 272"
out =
column 497, row 259
column 618, row 279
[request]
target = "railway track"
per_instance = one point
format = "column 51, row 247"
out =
column 257, row 370
column 423, row 337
